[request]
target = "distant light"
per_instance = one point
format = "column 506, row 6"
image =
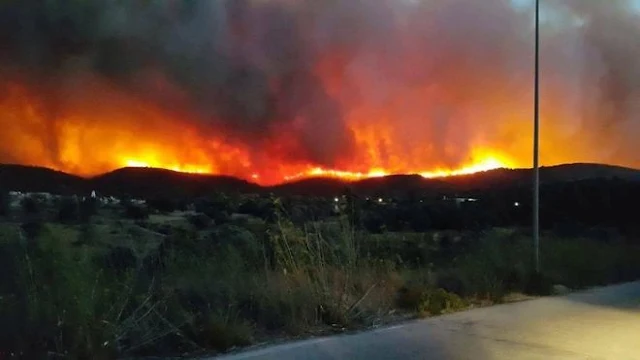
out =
column 516, row 204
column 380, row 200
column 336, row 199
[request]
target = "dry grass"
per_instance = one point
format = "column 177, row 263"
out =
column 122, row 288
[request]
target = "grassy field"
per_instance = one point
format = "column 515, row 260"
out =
column 177, row 283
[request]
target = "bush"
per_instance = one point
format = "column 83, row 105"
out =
column 200, row 221
column 58, row 313
column 68, row 211
column 118, row 259
column 454, row 282
column 63, row 302
column 219, row 208
column 538, row 284
column 163, row 204
column 5, row 203
column 88, row 208
column 426, row 300
column 410, row 297
column 30, row 206
column 229, row 239
column 205, row 287
column 32, row 218
column 439, row 301
column 220, row 332
column 135, row 211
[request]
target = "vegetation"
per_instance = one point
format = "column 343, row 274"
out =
column 175, row 276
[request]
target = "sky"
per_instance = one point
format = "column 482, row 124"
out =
column 274, row 88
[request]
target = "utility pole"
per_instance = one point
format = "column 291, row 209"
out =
column 536, row 144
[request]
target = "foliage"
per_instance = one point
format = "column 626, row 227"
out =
column 164, row 204
column 105, row 286
column 5, row 203
column 135, row 211
column 200, row 221
column 68, row 211
column 88, row 208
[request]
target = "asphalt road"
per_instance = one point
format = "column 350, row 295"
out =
column 602, row 323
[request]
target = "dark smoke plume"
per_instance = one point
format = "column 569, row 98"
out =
column 252, row 69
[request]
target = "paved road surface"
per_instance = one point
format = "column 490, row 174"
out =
column 599, row 324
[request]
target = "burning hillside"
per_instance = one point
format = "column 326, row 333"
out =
column 274, row 90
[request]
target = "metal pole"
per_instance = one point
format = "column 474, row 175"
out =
column 536, row 145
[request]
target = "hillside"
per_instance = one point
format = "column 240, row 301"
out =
column 38, row 179
column 144, row 182
column 499, row 178
column 157, row 182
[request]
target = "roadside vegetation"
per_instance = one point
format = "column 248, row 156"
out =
column 90, row 281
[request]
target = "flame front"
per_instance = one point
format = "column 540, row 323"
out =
column 92, row 139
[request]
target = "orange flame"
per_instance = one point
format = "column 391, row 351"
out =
column 95, row 137
column 100, row 128
column 486, row 163
column 415, row 102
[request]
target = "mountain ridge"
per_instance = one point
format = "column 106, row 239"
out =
column 149, row 182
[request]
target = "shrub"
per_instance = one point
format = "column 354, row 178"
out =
column 410, row 297
column 163, row 204
column 454, row 282
column 135, row 211
column 208, row 287
column 30, row 206
column 538, row 284
column 68, row 210
column 88, row 208
column 118, row 259
column 64, row 303
column 229, row 239
column 439, row 301
column 220, row 332
column 200, row 221
column 426, row 300
column 5, row 203
column 32, row 218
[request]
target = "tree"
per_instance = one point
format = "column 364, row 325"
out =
column 68, row 210
column 218, row 208
column 32, row 221
column 88, row 208
column 134, row 211
column 5, row 203
column 163, row 204
column 353, row 208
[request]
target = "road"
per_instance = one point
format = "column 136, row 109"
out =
column 601, row 323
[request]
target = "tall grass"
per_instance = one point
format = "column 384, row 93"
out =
column 237, row 284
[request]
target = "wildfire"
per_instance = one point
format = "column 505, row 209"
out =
column 485, row 164
column 116, row 138
column 297, row 89
column 187, row 168
column 90, row 140
column 490, row 162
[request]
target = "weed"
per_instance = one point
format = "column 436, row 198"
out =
column 102, row 288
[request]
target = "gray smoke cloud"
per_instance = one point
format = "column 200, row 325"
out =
column 445, row 75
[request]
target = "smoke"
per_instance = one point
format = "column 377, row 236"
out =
column 415, row 82
column 611, row 33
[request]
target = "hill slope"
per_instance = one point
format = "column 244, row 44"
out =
column 159, row 182
column 145, row 182
column 38, row 179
